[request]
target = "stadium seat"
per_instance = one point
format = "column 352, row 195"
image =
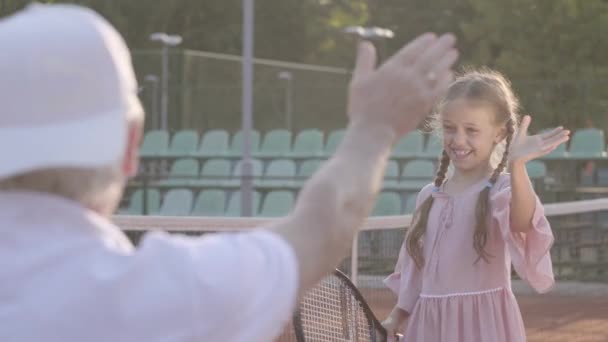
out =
column 391, row 174
column 410, row 204
column 536, row 169
column 434, row 146
column 210, row 203
column 277, row 203
column 276, row 144
column 280, row 173
column 587, row 143
column 409, row 146
column 183, row 143
column 307, row 169
column 416, row 174
column 333, row 141
column 156, row 143
column 602, row 176
column 308, row 143
column 177, row 202
column 234, row 204
column 388, row 204
column 257, row 171
column 215, row 172
column 136, row 202
column 183, row 173
column 236, row 148
column 214, row 144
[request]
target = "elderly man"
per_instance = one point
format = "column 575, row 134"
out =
column 70, row 125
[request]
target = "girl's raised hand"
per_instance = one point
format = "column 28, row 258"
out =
column 526, row 147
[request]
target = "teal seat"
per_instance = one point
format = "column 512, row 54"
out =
column 536, row 169
column 214, row 173
column 276, row 144
column 214, row 144
column 434, row 146
column 156, row 143
column 409, row 146
column 410, row 204
column 277, row 203
column 177, row 202
column 236, row 148
column 210, row 203
column 334, row 139
column 391, row 174
column 308, row 143
column 388, row 204
column 183, row 173
column 184, row 143
column 234, row 204
column 279, row 173
column 307, row 169
column 416, row 174
column 257, row 170
column 136, row 202
column 587, row 143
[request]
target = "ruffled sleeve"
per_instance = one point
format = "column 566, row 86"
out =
column 406, row 281
column 530, row 252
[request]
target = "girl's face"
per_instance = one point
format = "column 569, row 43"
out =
column 470, row 133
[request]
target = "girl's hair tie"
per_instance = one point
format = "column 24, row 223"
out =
column 489, row 184
column 435, row 189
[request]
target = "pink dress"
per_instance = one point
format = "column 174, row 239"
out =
column 455, row 299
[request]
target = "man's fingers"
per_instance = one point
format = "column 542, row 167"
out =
column 409, row 53
column 428, row 58
column 442, row 84
column 366, row 59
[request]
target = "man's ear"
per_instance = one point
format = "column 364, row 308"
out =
column 130, row 163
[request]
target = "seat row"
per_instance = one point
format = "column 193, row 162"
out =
column 216, row 202
column 286, row 173
column 585, row 144
column 274, row 144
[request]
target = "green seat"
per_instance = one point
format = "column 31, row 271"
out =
column 307, row 169
column 391, row 174
column 587, row 143
column 416, row 174
column 434, row 146
column 257, row 170
column 276, row 144
column 136, row 202
column 215, row 172
column 184, row 143
column 279, row 173
column 234, row 204
column 410, row 204
column 214, row 144
column 308, row 143
column 333, row 141
column 183, row 173
column 536, row 169
column 387, row 204
column 177, row 202
column 409, row 146
column 277, row 203
column 210, row 203
column 156, row 143
column 236, row 148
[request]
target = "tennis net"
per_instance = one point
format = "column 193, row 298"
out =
column 580, row 251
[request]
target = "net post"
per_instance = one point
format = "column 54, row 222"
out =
column 354, row 260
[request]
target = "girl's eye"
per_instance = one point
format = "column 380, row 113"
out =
column 472, row 130
column 448, row 128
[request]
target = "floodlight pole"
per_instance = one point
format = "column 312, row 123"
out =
column 247, row 107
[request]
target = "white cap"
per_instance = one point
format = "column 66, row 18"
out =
column 67, row 88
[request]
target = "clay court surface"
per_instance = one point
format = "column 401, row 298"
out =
column 547, row 318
